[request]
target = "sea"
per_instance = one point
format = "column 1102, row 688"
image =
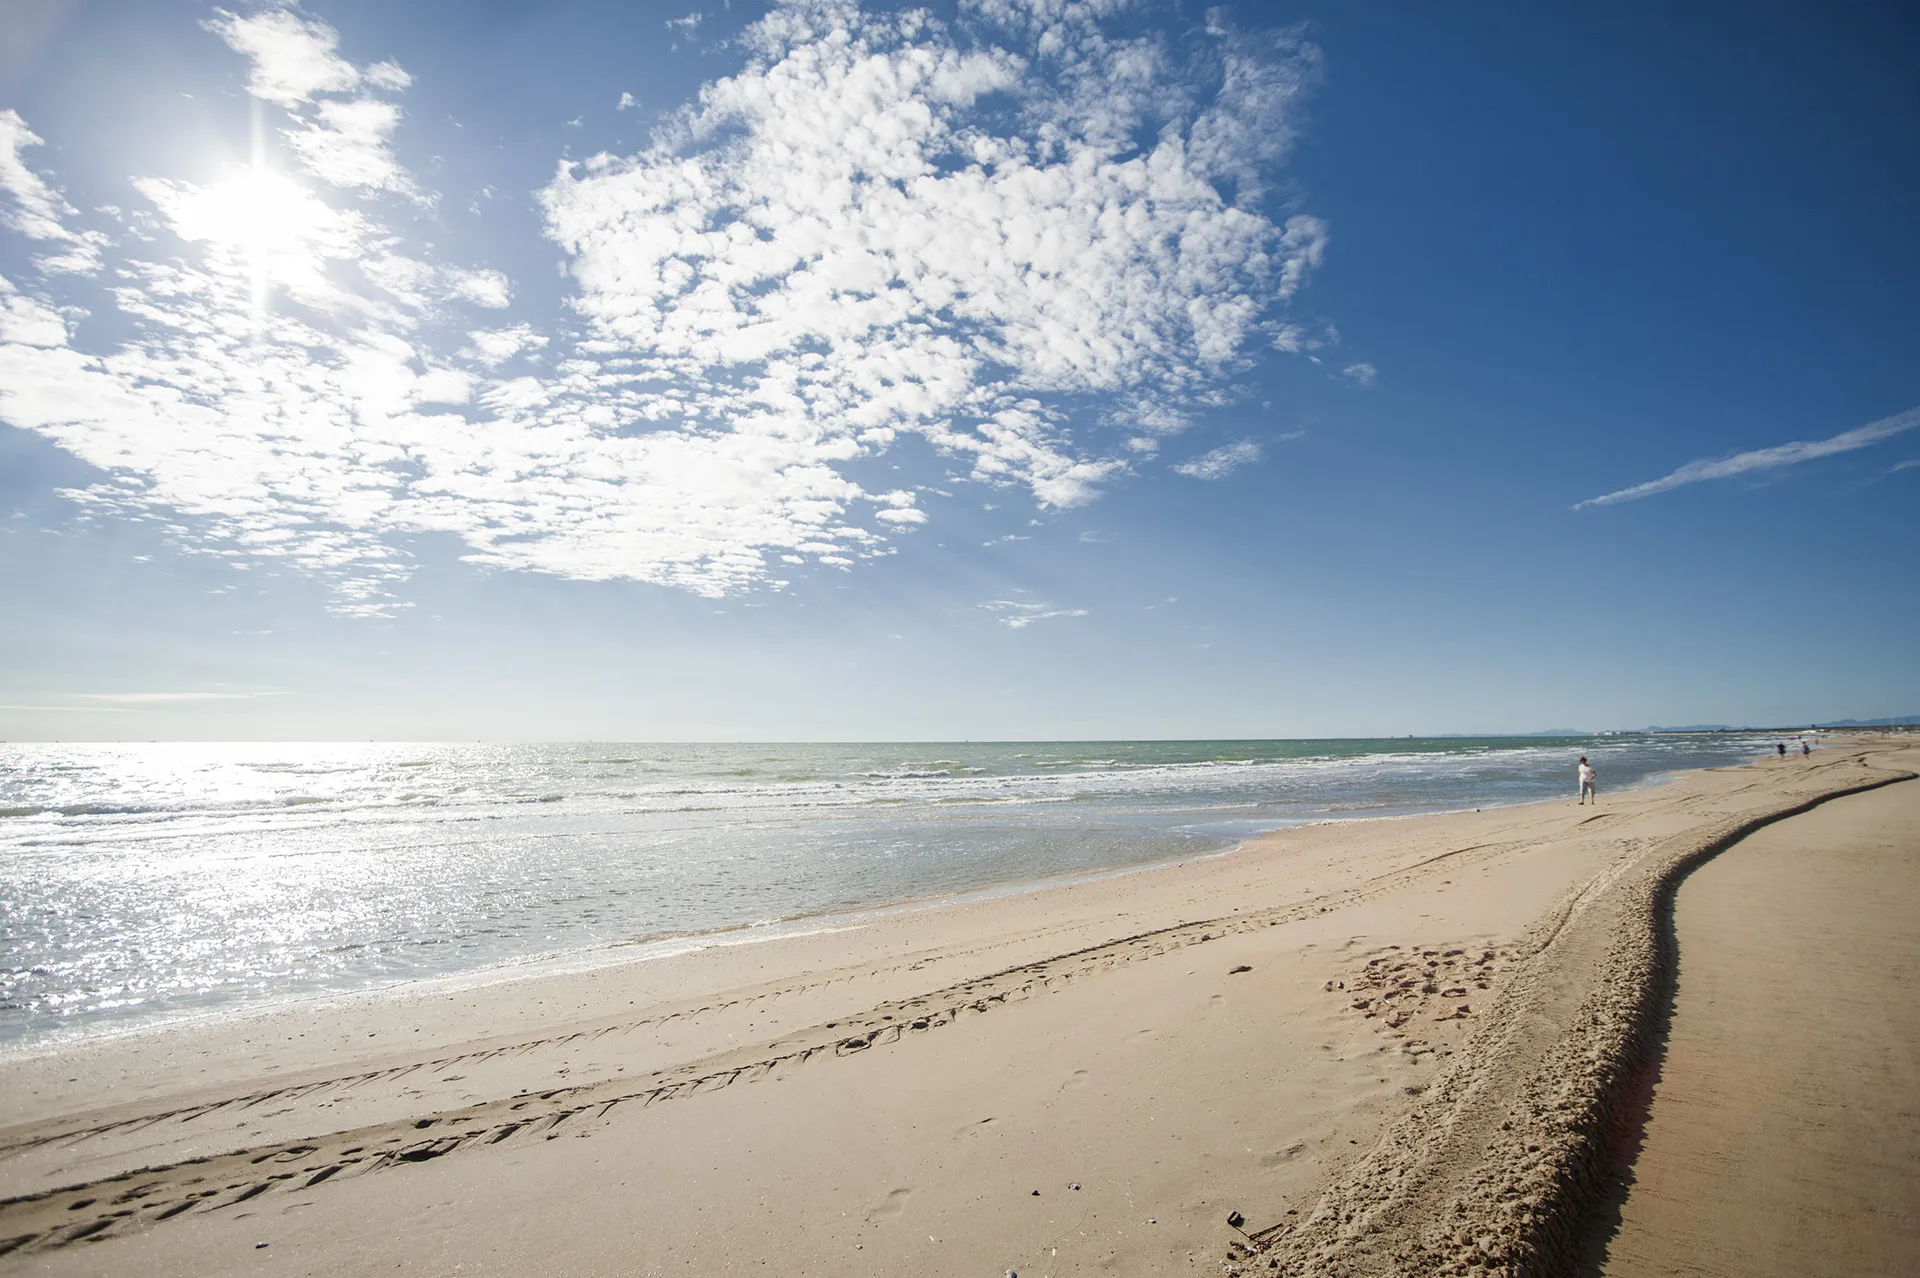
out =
column 142, row 883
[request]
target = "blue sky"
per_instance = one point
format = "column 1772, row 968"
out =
column 983, row 371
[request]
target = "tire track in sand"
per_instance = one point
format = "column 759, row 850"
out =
column 146, row 1196
column 1497, row 1165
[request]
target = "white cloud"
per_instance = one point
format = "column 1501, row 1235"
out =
column 1221, row 461
column 1011, row 246
column 26, row 321
column 844, row 241
column 293, row 59
column 1905, row 465
column 685, row 25
column 343, row 142
column 484, row 287
column 1361, row 374
column 1015, row 614
column 494, row 347
column 37, row 210
column 389, row 76
column 1254, row 120
column 1765, row 458
column 626, row 101
column 346, row 144
column 898, row 507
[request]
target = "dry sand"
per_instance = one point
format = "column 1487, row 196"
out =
column 1392, row 1046
column 1784, row 1132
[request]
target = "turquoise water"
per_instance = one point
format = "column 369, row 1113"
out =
column 142, row 882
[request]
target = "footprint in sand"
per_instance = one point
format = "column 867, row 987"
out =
column 891, row 1205
column 1286, row 1155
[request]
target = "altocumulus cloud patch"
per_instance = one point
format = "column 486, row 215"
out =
column 1017, row 235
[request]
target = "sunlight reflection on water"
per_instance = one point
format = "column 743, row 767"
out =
column 144, row 881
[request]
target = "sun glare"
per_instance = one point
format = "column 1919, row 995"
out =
column 276, row 228
column 261, row 213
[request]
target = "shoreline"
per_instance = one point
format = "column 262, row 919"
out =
column 801, row 1067
column 608, row 954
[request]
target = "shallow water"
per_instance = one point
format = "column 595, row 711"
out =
column 140, row 882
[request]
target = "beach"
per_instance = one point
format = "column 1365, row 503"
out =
column 1781, row 1135
column 1403, row 1045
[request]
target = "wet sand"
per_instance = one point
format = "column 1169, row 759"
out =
column 1378, row 1046
column 1783, row 1136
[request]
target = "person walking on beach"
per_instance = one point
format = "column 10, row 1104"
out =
column 1805, row 749
column 1781, row 746
column 1587, row 774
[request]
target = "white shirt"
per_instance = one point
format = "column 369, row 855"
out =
column 1587, row 774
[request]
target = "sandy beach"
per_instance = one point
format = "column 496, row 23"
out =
column 1782, row 1135
column 1392, row 1046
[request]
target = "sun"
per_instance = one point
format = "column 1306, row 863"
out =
column 263, row 214
column 263, row 224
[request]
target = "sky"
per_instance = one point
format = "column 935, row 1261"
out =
column 988, row 370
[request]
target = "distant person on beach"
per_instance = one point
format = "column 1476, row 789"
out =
column 1587, row 774
column 1805, row 749
column 1781, row 746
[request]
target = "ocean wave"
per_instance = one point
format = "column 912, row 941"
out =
column 477, row 793
column 304, row 769
column 108, row 809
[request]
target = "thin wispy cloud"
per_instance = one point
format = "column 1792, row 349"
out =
column 34, row 209
column 150, row 698
column 1762, row 459
column 1015, row 614
column 1025, row 246
column 1221, row 462
column 1361, row 374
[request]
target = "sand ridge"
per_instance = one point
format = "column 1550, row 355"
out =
column 1782, row 1134
column 1496, row 1168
